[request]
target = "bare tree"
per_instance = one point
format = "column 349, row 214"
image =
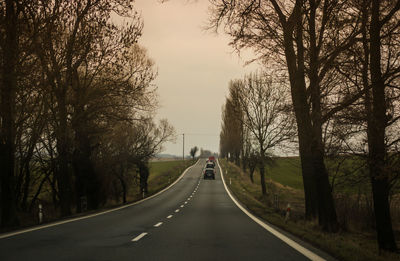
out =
column 231, row 127
column 193, row 151
column 129, row 146
column 267, row 117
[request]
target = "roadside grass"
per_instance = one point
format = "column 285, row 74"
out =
column 344, row 245
column 163, row 173
column 286, row 171
column 345, row 171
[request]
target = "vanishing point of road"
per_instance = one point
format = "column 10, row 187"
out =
column 194, row 219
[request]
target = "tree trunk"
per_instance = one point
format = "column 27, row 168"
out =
column 123, row 185
column 262, row 178
column 63, row 174
column 252, row 174
column 144, row 175
column 376, row 139
column 326, row 208
column 318, row 198
column 86, row 181
column 7, row 114
column 237, row 157
column 327, row 218
column 38, row 191
column 27, row 184
column 295, row 65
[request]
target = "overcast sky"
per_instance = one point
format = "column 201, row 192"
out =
column 194, row 69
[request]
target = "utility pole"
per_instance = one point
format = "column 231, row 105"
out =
column 183, row 147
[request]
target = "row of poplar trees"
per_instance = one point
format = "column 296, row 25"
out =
column 340, row 59
column 77, row 104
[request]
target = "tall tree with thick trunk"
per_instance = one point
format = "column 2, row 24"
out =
column 7, row 113
column 376, row 133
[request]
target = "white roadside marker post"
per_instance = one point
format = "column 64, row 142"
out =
column 287, row 212
column 40, row 213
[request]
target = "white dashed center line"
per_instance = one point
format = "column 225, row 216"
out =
column 139, row 237
column 170, row 216
column 182, row 206
column 177, row 210
column 185, row 202
column 158, row 224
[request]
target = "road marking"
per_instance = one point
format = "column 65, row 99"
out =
column 307, row 253
column 185, row 202
column 182, row 206
column 176, row 210
column 97, row 214
column 139, row 237
column 170, row 216
column 158, row 224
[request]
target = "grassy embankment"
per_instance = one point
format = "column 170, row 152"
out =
column 163, row 173
column 284, row 180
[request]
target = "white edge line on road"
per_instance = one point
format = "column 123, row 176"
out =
column 273, row 231
column 170, row 216
column 158, row 224
column 10, row 234
column 139, row 237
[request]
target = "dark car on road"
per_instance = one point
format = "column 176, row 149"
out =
column 209, row 173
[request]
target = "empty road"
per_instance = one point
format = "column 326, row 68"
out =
column 193, row 220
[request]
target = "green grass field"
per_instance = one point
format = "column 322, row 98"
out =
column 347, row 174
column 163, row 173
column 286, row 171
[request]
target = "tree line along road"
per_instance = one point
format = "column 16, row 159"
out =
column 193, row 220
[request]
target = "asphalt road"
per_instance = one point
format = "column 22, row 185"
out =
column 193, row 220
